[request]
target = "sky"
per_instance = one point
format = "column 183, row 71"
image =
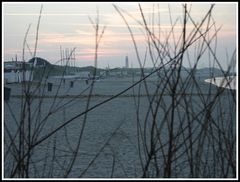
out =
column 70, row 25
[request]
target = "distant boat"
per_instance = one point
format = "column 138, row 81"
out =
column 228, row 82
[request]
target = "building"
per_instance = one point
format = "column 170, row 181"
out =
column 19, row 71
column 16, row 72
column 118, row 72
column 83, row 74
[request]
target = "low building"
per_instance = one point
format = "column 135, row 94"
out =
column 83, row 74
column 103, row 73
column 19, row 71
column 16, row 72
column 118, row 72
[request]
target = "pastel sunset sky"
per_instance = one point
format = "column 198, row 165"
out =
column 68, row 25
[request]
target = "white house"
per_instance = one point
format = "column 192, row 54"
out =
column 14, row 72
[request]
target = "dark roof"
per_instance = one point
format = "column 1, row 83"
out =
column 40, row 61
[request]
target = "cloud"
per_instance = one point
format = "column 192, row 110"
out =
column 86, row 38
column 68, row 25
